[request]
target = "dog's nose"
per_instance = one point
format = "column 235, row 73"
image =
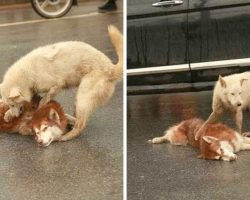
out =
column 239, row 104
column 40, row 142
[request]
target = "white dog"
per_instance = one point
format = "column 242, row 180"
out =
column 52, row 68
column 230, row 93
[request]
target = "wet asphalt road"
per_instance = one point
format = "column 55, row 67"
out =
column 164, row 171
column 88, row 167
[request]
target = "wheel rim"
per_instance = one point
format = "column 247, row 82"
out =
column 52, row 7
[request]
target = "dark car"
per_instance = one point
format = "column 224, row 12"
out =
column 185, row 44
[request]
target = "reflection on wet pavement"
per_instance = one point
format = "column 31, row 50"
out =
column 170, row 172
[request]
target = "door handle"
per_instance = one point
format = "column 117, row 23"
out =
column 168, row 3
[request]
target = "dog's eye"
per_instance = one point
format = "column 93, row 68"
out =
column 45, row 128
column 232, row 94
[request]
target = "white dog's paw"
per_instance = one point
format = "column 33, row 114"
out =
column 8, row 116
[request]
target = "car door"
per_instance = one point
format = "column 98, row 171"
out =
column 219, row 36
column 157, row 45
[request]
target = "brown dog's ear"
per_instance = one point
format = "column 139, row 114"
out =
column 209, row 139
column 53, row 115
column 222, row 82
column 14, row 93
column 242, row 81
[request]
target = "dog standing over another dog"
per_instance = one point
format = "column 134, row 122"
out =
column 52, row 68
column 231, row 93
column 48, row 123
column 217, row 141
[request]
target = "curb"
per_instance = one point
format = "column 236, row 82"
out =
column 170, row 88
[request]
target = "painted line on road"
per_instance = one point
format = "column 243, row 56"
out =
column 57, row 19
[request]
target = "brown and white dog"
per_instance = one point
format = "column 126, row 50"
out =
column 217, row 141
column 47, row 123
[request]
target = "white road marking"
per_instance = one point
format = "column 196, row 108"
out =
column 57, row 19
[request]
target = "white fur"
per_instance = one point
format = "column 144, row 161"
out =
column 239, row 143
column 45, row 137
column 170, row 132
column 228, row 151
column 234, row 92
column 230, row 93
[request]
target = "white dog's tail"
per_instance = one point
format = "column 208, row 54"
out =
column 117, row 40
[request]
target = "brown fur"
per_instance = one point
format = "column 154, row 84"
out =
column 42, row 115
column 21, row 124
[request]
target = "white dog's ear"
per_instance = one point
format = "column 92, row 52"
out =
column 209, row 139
column 242, row 81
column 14, row 93
column 53, row 115
column 222, row 82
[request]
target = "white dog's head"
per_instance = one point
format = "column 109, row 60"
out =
column 14, row 98
column 49, row 123
column 232, row 91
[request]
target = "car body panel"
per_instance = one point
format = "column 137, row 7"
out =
column 204, row 32
column 156, row 37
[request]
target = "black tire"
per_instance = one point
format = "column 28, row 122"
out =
column 50, row 16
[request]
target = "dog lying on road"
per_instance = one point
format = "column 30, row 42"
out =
column 230, row 93
column 52, row 68
column 47, row 123
column 217, row 141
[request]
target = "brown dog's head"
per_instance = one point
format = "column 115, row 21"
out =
column 217, row 142
column 49, row 123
